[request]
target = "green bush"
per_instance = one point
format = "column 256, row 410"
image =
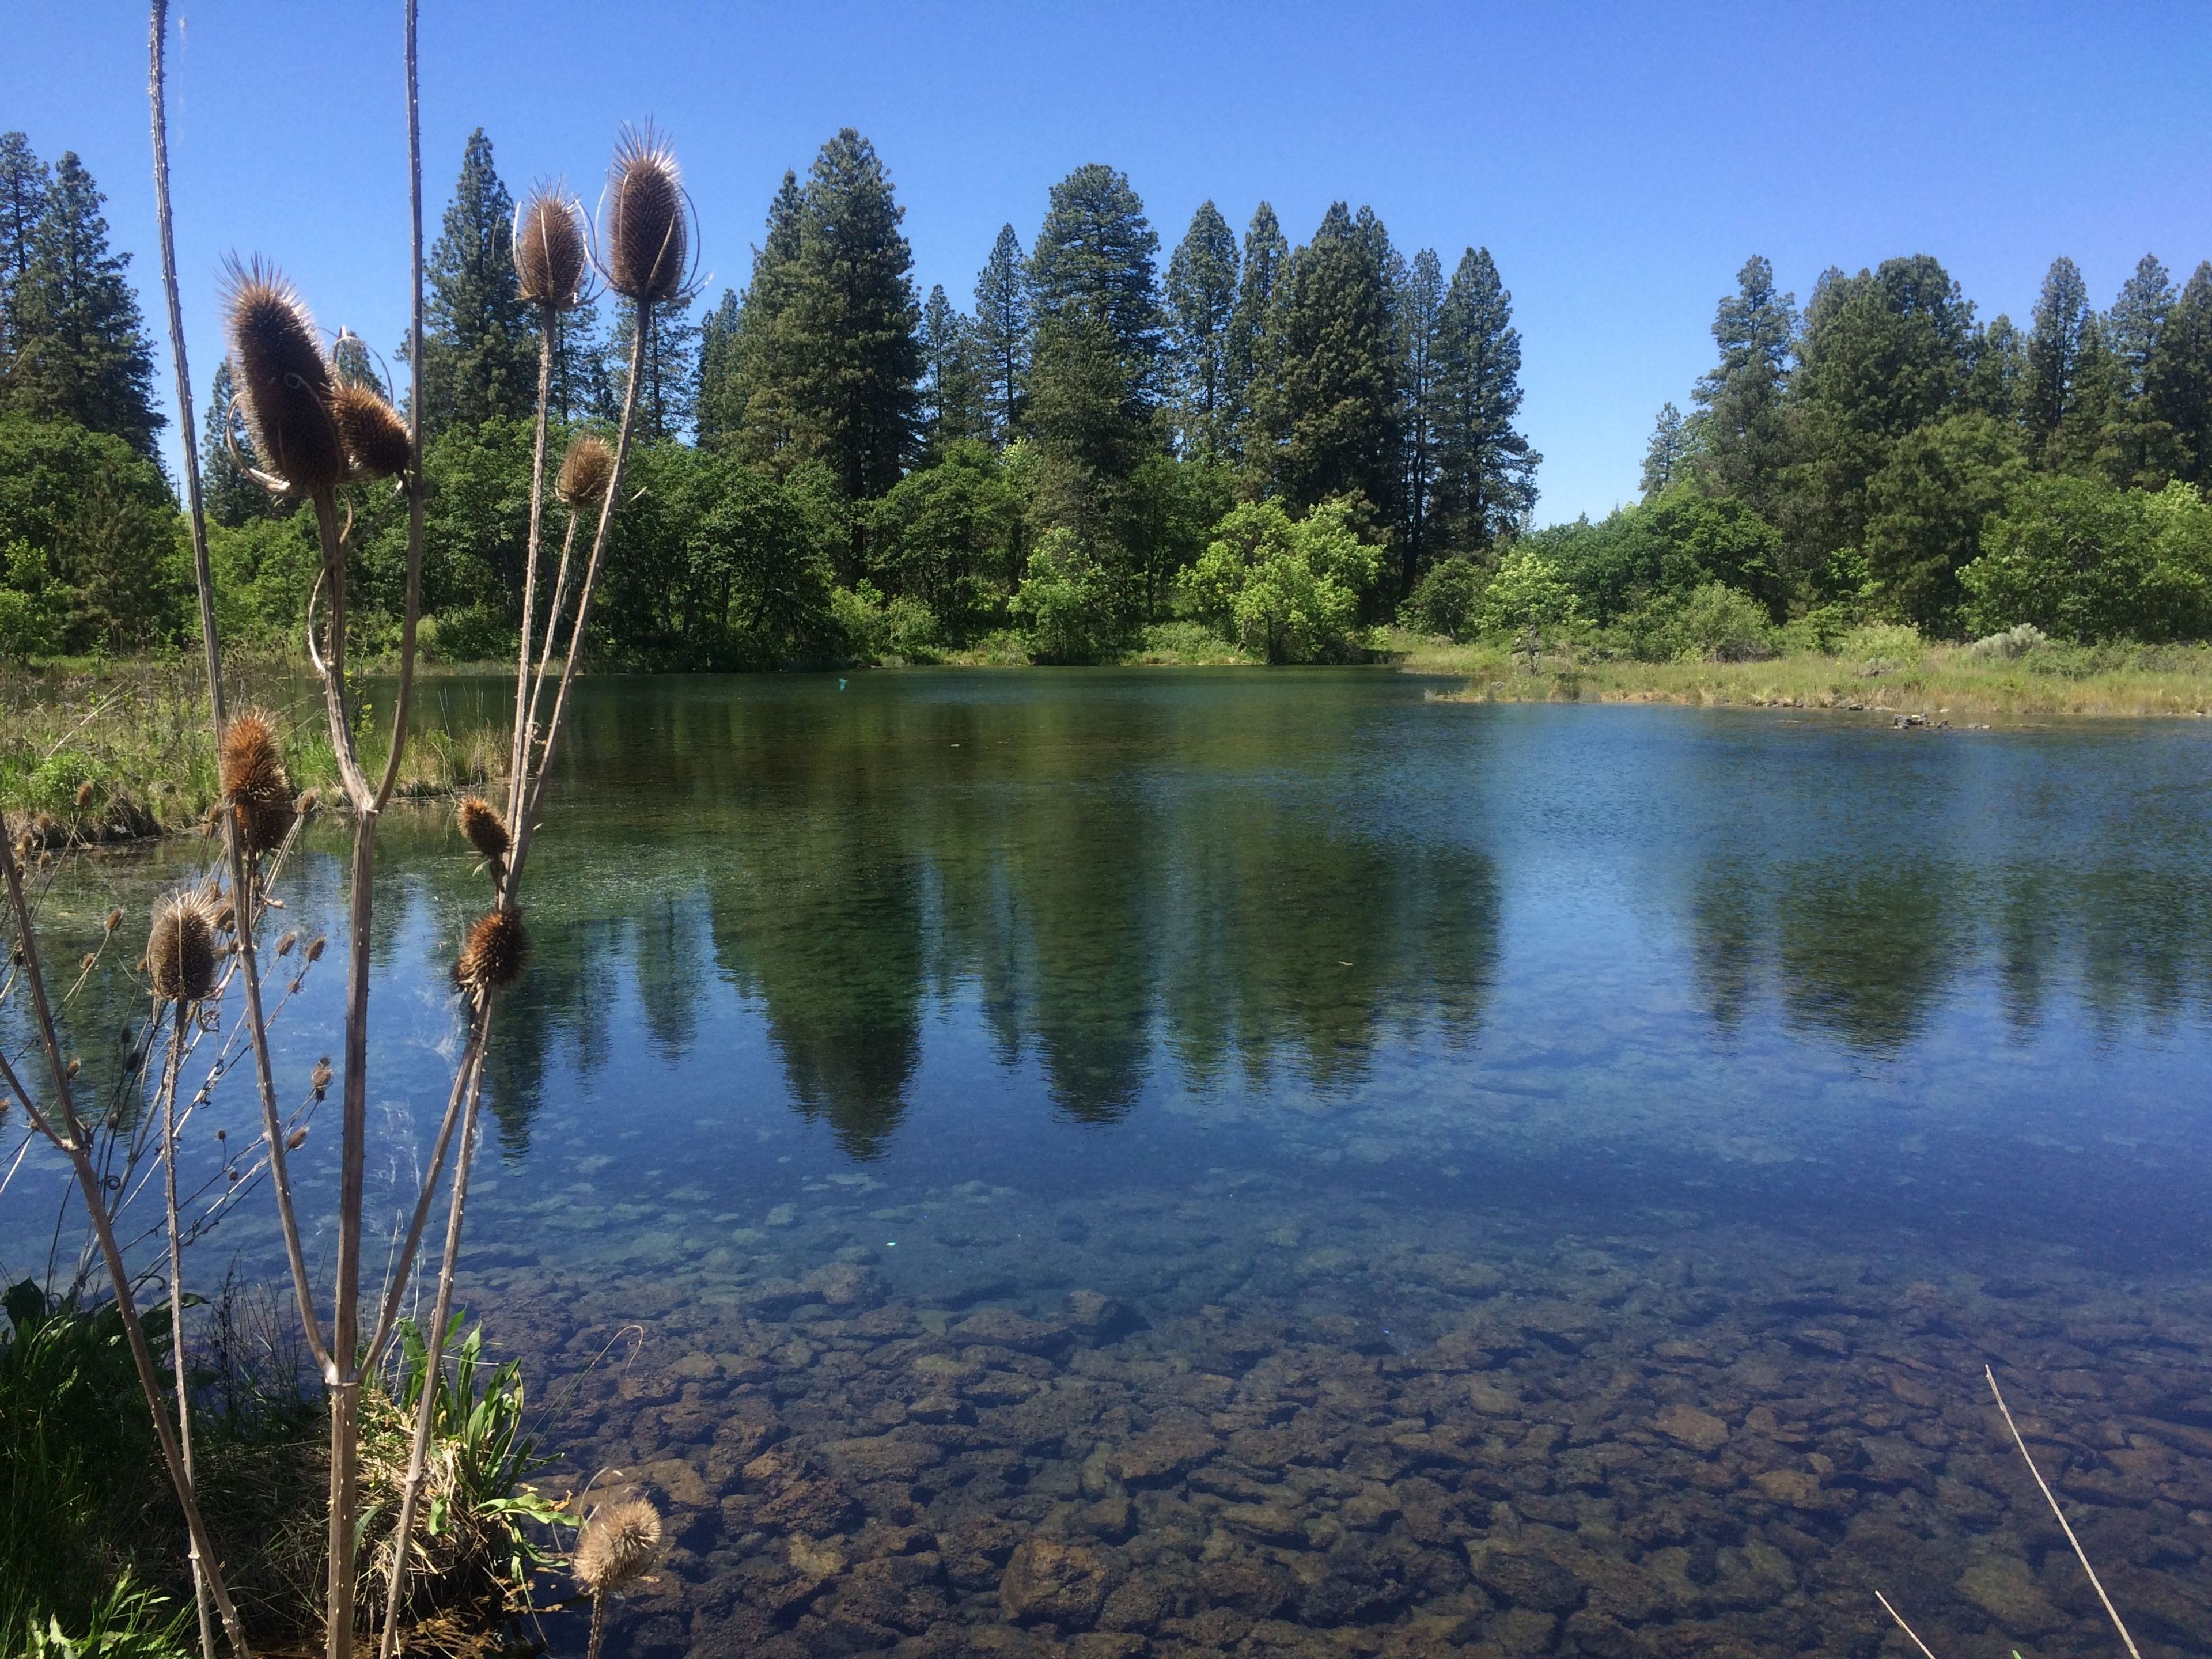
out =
column 1071, row 609
column 1287, row 591
column 876, row 629
column 2087, row 563
column 1712, row 623
column 1443, row 602
column 1526, row 596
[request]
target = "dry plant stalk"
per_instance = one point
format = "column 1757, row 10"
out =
column 2065, row 1526
column 620, row 1544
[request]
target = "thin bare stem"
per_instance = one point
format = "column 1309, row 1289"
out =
column 175, row 1059
column 69, row 1138
column 435, row 1338
column 404, row 696
column 2079, row 1554
column 548, row 334
column 529, row 723
column 526, row 821
column 1901, row 1625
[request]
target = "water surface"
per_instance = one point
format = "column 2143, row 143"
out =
column 1156, row 1162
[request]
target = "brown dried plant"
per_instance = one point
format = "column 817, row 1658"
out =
column 552, row 266
column 375, row 437
column 255, row 782
column 180, row 951
column 646, row 241
column 619, row 1546
column 585, row 470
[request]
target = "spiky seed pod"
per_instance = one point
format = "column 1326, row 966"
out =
column 586, row 471
column 115, row 921
column 375, row 436
column 180, row 951
column 284, row 945
column 322, row 1080
column 306, row 803
column 620, row 1544
column 296, row 1139
column 255, row 782
column 646, row 235
column 492, row 959
column 315, row 949
column 549, row 259
column 284, row 380
column 84, row 794
column 483, row 829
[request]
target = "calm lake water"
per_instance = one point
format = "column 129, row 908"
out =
column 1137, row 1164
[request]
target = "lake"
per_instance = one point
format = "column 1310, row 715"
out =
column 1142, row 1163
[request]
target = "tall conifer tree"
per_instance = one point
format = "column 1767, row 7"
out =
column 1420, row 323
column 479, row 347
column 2177, row 380
column 753, row 416
column 951, row 390
column 1667, row 457
column 1746, row 436
column 1487, row 482
column 1202, row 298
column 721, row 409
column 1004, row 320
column 1251, row 356
column 80, row 351
column 22, row 204
column 1332, row 413
column 2055, row 356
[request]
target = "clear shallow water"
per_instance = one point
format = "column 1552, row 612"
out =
column 1323, row 1170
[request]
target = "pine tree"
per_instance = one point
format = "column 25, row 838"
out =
column 1201, row 297
column 1997, row 370
column 1487, row 482
column 1004, row 319
column 479, row 348
column 721, row 411
column 1879, row 353
column 22, row 204
column 1746, row 440
column 668, row 380
column 2138, row 316
column 1095, row 258
column 1250, row 354
column 951, row 395
column 2177, row 382
column 843, row 363
column 750, row 416
column 1332, row 414
column 581, row 389
column 232, row 498
column 2054, row 356
column 1667, row 458
column 80, row 351
column 1420, row 318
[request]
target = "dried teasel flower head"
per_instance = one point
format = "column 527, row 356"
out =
column 375, row 437
column 551, row 264
column 255, row 782
column 283, row 381
column 646, row 241
column 493, row 956
column 619, row 1544
column 483, row 829
column 586, row 471
column 180, row 951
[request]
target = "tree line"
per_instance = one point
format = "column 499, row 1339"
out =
column 839, row 466
column 1278, row 445
column 1883, row 455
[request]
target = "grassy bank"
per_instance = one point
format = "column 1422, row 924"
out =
column 1887, row 670
column 115, row 751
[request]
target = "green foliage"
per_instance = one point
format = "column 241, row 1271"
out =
column 2087, row 563
column 95, row 542
column 878, row 628
column 951, row 536
column 1526, row 596
column 1679, row 541
column 1287, row 591
column 1071, row 608
column 1444, row 602
column 1201, row 294
column 1926, row 509
column 1711, row 622
column 479, row 347
column 1486, row 470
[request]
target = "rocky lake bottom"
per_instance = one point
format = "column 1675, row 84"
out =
column 1247, row 1420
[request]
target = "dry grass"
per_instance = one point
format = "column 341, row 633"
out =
column 1880, row 670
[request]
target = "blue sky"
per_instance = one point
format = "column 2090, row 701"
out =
column 1618, row 161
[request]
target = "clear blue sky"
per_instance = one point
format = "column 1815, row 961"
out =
column 1618, row 161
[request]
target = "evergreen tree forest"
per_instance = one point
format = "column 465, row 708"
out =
column 1118, row 440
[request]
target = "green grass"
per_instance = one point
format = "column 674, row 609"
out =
column 1888, row 671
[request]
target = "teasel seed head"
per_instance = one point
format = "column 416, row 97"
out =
column 647, row 239
column 315, row 948
column 550, row 261
column 493, row 956
column 284, row 945
column 115, row 921
column 180, row 951
column 586, row 471
column 619, row 1544
column 375, row 436
column 283, row 381
column 321, row 1079
column 485, row 830
column 84, row 794
column 255, row 782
